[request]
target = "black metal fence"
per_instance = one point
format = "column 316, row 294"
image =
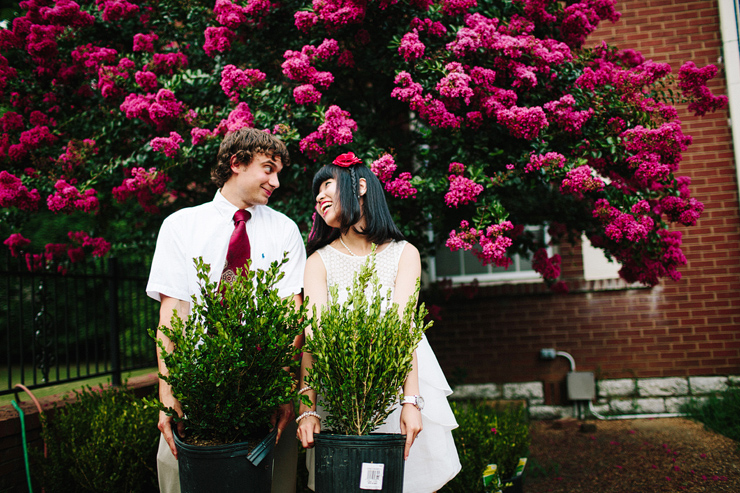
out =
column 89, row 322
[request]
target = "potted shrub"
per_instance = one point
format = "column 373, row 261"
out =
column 361, row 358
column 227, row 371
column 489, row 434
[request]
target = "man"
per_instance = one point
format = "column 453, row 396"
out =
column 246, row 173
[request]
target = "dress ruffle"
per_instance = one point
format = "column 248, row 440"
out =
column 433, row 459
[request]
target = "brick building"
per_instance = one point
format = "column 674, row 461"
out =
column 677, row 333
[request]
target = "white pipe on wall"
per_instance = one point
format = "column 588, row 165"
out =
column 632, row 416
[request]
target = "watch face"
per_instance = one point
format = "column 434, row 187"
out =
column 419, row 402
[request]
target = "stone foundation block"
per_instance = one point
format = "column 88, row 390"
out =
column 623, row 406
column 675, row 404
column 477, row 391
column 525, row 390
column 650, row 406
column 654, row 387
column 620, row 387
column 707, row 385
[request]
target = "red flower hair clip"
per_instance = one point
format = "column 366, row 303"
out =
column 347, row 159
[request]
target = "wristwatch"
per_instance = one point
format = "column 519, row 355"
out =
column 416, row 400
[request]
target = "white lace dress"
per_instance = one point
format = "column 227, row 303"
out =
column 433, row 459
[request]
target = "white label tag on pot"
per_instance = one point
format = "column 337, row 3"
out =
column 371, row 476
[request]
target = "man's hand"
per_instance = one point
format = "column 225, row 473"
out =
column 283, row 415
column 165, row 423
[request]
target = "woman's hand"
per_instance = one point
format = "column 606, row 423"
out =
column 411, row 426
column 307, row 427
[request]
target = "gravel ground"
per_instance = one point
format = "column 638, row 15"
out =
column 641, row 455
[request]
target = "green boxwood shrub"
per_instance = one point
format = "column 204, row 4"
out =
column 488, row 434
column 719, row 413
column 104, row 440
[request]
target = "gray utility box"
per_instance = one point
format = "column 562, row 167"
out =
column 581, row 386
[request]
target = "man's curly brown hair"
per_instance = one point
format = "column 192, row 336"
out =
column 245, row 143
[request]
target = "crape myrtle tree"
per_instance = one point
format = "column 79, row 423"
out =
column 480, row 117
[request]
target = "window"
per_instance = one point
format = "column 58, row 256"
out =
column 596, row 266
column 463, row 266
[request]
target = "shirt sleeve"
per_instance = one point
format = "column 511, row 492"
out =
column 169, row 271
column 292, row 283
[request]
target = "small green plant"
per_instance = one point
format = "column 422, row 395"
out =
column 545, row 470
column 719, row 413
column 487, row 434
column 227, row 365
column 362, row 356
column 103, row 440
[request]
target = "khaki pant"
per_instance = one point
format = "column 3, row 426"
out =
column 285, row 458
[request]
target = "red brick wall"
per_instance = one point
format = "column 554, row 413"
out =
column 690, row 327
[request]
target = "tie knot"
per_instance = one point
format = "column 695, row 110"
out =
column 242, row 215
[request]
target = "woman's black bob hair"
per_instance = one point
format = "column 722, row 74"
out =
column 379, row 226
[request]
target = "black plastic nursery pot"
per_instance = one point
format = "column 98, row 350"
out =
column 517, row 484
column 223, row 468
column 350, row 463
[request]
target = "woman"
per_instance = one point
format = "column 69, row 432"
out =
column 353, row 215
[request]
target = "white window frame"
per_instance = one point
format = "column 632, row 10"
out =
column 729, row 15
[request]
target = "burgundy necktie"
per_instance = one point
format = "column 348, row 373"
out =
column 239, row 249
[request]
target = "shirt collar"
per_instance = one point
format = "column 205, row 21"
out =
column 226, row 208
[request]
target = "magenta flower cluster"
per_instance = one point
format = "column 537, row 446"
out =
column 145, row 42
column 75, row 155
column 411, row 47
column 148, row 186
column 539, row 162
column 116, row 10
column 491, row 242
column 332, row 14
column 234, row 80
column 239, row 117
column 81, row 244
column 68, row 199
column 401, row 187
column 548, row 267
column 16, row 243
column 336, row 130
column 218, row 40
column 580, row 181
column 167, row 145
column 462, row 191
column 561, row 113
column 692, row 81
column 13, row 193
column 160, row 109
column 622, row 226
column 582, row 18
column 167, row 63
column 656, row 152
column 384, row 168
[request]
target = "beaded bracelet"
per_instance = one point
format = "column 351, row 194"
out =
column 307, row 387
column 307, row 413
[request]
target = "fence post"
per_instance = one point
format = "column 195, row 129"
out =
column 114, row 319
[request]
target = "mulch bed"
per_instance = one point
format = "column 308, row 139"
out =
column 641, row 455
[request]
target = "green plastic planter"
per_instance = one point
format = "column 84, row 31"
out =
column 223, row 468
column 340, row 459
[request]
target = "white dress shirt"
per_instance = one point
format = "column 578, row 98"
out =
column 205, row 230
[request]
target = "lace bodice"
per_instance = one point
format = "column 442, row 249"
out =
column 341, row 267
